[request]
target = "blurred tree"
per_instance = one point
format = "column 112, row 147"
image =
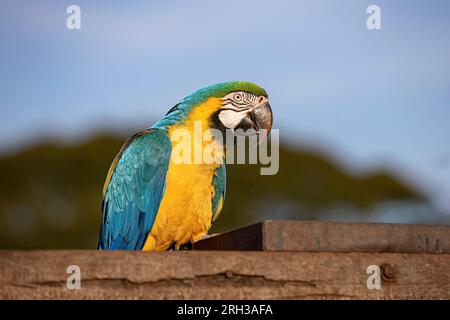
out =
column 50, row 195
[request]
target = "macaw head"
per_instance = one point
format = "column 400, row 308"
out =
column 230, row 105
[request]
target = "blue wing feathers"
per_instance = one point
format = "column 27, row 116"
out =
column 219, row 183
column 135, row 191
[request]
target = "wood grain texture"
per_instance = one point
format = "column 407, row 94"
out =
column 327, row 236
column 222, row 275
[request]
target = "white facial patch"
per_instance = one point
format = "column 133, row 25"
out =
column 231, row 118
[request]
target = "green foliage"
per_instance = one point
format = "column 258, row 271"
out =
column 50, row 196
column 306, row 186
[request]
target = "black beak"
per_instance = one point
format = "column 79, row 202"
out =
column 263, row 118
column 259, row 119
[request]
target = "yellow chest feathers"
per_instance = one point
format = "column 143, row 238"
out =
column 186, row 210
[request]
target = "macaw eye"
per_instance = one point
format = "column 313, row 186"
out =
column 237, row 97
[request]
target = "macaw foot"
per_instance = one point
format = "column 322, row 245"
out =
column 186, row 246
column 177, row 247
column 189, row 245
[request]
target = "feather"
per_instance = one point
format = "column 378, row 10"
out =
column 134, row 189
column 219, row 182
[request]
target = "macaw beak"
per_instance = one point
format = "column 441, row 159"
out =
column 259, row 119
column 263, row 118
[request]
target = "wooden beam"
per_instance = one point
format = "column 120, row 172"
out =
column 321, row 236
column 222, row 275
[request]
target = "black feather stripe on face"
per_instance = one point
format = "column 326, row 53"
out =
column 217, row 124
column 236, row 104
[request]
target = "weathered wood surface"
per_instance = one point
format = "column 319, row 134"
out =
column 322, row 236
column 222, row 275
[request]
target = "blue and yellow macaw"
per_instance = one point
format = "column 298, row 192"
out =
column 150, row 201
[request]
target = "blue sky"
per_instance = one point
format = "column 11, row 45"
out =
column 368, row 98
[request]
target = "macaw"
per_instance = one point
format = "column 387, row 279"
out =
column 150, row 201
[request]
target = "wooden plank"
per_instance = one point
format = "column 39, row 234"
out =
column 247, row 238
column 222, row 275
column 321, row 236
